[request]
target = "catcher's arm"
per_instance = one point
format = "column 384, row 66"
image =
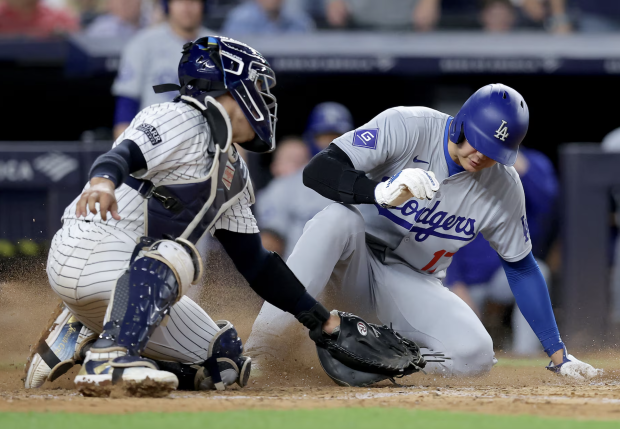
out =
column 270, row 277
column 108, row 173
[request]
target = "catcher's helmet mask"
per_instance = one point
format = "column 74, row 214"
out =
column 215, row 65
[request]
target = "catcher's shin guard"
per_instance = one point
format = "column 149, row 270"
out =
column 143, row 296
column 63, row 344
column 224, row 365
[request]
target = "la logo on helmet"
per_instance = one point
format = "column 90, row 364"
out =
column 502, row 132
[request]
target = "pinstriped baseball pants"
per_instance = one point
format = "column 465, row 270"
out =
column 83, row 265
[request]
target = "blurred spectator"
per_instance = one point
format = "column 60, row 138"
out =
column 591, row 16
column 553, row 13
column 152, row 58
column 488, row 282
column 267, row 17
column 291, row 156
column 121, row 20
column 87, row 10
column 326, row 122
column 285, row 206
column 32, row 18
column 598, row 16
column 392, row 15
column 498, row 16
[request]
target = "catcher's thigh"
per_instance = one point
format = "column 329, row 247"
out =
column 85, row 261
column 425, row 311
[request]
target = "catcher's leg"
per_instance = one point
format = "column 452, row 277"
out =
column 63, row 343
column 223, row 366
column 142, row 299
column 423, row 310
column 332, row 246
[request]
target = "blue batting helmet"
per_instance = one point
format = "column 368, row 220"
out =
column 326, row 118
column 215, row 65
column 494, row 120
column 329, row 117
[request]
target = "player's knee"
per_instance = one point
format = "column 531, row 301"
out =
column 341, row 219
column 182, row 257
column 474, row 356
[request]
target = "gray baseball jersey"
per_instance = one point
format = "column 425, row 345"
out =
column 285, row 206
column 422, row 233
column 150, row 58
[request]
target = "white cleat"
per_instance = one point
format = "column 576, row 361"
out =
column 104, row 371
column 62, row 345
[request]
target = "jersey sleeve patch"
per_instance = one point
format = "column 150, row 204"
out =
column 151, row 133
column 366, row 138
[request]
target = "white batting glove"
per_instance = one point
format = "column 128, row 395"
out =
column 406, row 184
column 574, row 368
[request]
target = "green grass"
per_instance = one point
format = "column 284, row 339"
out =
column 341, row 418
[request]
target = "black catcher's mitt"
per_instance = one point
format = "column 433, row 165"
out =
column 373, row 348
column 370, row 348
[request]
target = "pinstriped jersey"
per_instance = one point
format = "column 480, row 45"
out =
column 177, row 145
column 425, row 234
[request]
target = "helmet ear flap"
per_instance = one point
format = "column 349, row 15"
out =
column 461, row 137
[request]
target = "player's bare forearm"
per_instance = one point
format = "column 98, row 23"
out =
column 101, row 191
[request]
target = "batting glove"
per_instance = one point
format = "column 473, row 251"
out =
column 574, row 368
column 406, row 184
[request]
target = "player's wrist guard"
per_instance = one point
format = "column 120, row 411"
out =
column 314, row 319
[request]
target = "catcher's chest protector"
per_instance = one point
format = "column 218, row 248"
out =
column 188, row 209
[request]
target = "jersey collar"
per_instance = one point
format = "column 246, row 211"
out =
column 453, row 167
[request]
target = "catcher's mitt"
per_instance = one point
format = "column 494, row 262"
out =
column 372, row 348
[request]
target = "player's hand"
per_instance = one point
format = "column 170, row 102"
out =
column 572, row 367
column 100, row 191
column 408, row 183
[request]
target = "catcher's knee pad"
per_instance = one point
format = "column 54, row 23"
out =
column 224, row 364
column 63, row 344
column 155, row 281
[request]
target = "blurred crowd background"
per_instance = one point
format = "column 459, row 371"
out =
column 45, row 18
column 56, row 120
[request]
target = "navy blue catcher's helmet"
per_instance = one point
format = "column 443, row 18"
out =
column 494, row 120
column 215, row 65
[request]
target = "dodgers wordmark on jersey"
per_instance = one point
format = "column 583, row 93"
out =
column 426, row 234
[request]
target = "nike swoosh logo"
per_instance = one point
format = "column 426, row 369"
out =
column 419, row 160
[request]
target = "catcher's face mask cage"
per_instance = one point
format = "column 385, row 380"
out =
column 249, row 78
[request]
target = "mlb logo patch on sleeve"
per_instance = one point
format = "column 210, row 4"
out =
column 366, row 138
column 151, row 133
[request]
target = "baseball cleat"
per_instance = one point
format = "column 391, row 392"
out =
column 62, row 345
column 105, row 369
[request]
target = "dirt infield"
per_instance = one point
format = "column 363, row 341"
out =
column 513, row 387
